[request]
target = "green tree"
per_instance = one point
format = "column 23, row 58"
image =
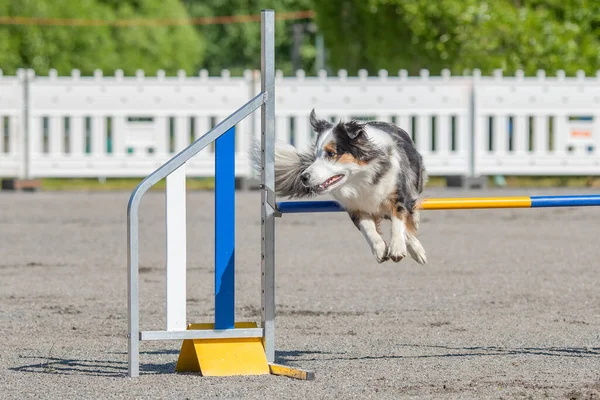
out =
column 97, row 47
column 236, row 46
column 461, row 34
column 155, row 47
column 59, row 47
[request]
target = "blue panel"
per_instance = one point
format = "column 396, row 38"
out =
column 225, row 230
column 565, row 201
column 290, row 207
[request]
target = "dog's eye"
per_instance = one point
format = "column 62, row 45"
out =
column 330, row 154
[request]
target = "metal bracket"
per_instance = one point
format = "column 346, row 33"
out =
column 271, row 198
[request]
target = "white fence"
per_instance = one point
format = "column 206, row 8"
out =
column 128, row 126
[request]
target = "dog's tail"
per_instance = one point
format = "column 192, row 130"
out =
column 290, row 163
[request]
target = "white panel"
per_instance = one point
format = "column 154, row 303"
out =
column 176, row 250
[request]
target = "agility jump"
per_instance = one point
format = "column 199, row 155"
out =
column 227, row 347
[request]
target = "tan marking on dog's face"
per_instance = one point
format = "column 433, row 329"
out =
column 331, row 153
column 349, row 158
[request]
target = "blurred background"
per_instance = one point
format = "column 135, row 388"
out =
column 117, row 86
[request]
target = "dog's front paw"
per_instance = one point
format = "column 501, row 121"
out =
column 396, row 251
column 416, row 250
column 380, row 251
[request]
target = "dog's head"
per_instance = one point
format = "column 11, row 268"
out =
column 342, row 152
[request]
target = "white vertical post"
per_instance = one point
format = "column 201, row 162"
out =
column 561, row 132
column 12, row 134
column 540, row 139
column 423, row 134
column 443, row 131
column 98, row 135
column 520, row 134
column 302, row 132
column 118, row 134
column 461, row 136
column 176, row 250
column 403, row 121
column 35, row 136
column 77, row 138
column 480, row 145
column 282, row 131
column 55, row 136
column 161, row 136
column 182, row 133
column 500, row 137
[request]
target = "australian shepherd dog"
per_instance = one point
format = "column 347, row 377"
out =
column 372, row 169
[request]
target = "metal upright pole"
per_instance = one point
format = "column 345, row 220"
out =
column 133, row 353
column 267, row 177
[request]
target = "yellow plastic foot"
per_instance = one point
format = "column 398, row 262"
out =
column 277, row 369
column 223, row 357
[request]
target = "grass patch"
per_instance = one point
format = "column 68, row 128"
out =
column 117, row 184
column 551, row 181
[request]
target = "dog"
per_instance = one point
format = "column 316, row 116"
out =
column 372, row 169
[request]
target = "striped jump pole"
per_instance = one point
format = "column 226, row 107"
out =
column 464, row 203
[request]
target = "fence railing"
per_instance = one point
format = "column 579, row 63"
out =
column 117, row 126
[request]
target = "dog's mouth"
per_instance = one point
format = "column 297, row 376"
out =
column 330, row 182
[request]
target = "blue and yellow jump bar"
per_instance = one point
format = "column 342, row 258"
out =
column 292, row 207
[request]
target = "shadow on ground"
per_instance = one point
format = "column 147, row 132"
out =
column 74, row 366
column 110, row 368
column 444, row 351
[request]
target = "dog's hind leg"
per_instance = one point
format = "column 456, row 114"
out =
column 369, row 227
column 414, row 246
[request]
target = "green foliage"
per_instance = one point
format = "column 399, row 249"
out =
column 155, row 47
column 97, row 47
column 46, row 47
column 236, row 46
column 461, row 35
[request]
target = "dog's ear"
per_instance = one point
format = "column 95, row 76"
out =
column 319, row 125
column 353, row 129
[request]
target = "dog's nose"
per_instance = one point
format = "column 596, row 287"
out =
column 305, row 177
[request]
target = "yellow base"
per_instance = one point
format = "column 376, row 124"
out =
column 228, row 357
column 223, row 357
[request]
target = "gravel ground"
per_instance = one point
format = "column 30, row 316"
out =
column 508, row 306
